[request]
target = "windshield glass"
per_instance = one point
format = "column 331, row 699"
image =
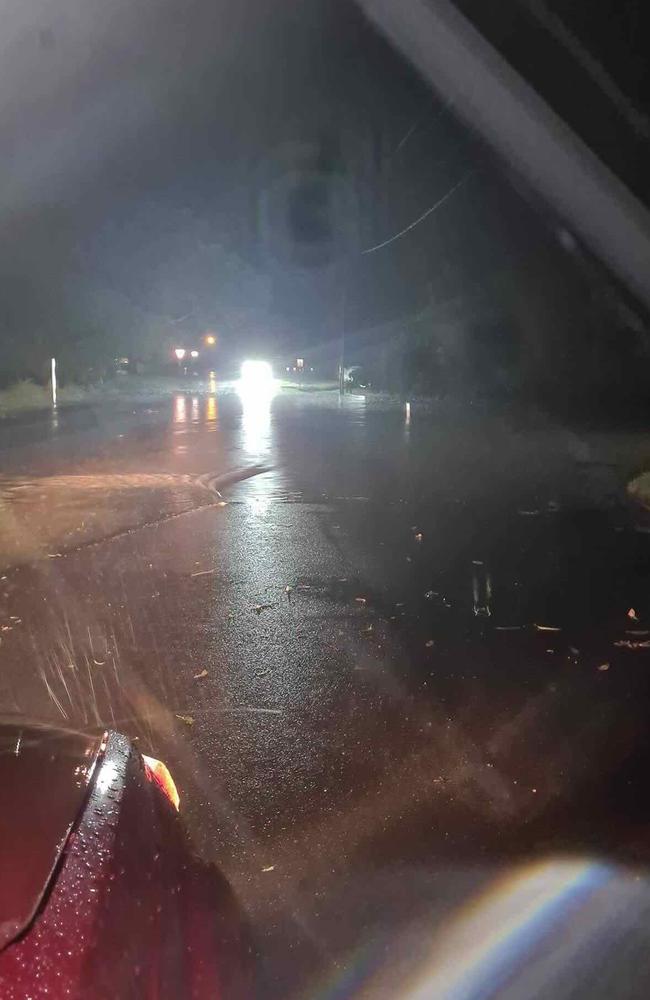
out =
column 324, row 465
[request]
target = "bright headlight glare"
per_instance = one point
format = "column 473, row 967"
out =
column 256, row 374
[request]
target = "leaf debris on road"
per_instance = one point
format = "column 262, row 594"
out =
column 187, row 719
column 201, row 673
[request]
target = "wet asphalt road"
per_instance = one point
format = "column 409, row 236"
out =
column 385, row 659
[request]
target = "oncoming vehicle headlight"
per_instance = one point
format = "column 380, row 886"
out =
column 256, row 375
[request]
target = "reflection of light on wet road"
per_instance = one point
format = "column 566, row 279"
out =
column 195, row 409
column 256, row 439
column 211, row 410
column 256, row 417
column 259, row 494
column 180, row 410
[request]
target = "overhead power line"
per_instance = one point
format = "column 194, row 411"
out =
column 407, row 229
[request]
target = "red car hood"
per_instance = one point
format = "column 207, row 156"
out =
column 44, row 777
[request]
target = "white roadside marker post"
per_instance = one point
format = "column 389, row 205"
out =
column 53, row 381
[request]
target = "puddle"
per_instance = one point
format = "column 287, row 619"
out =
column 43, row 517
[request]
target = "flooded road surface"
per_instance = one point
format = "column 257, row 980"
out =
column 399, row 664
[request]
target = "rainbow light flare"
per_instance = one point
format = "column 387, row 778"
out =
column 483, row 946
column 497, row 932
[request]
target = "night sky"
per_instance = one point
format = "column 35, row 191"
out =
column 171, row 166
column 133, row 131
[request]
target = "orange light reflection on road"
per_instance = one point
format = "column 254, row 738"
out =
column 211, row 409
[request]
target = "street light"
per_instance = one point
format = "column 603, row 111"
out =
column 180, row 353
column 210, row 339
column 194, row 354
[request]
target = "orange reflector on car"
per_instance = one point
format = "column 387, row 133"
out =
column 159, row 772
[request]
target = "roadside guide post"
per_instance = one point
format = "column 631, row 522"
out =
column 53, row 381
